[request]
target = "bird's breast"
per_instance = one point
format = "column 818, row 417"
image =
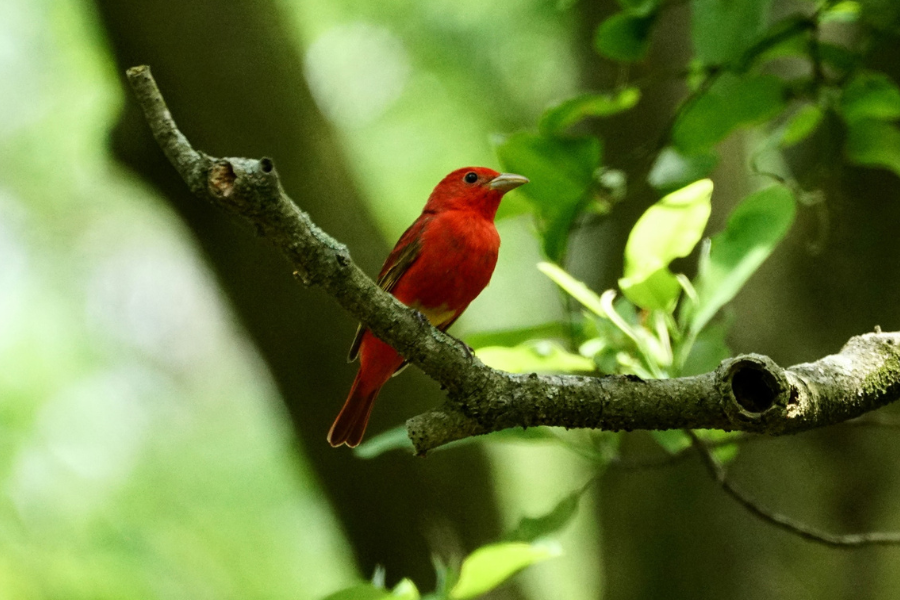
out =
column 456, row 261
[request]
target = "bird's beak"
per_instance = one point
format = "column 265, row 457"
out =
column 507, row 181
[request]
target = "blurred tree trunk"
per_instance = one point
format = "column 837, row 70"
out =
column 232, row 75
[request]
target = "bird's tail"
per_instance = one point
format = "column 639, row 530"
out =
column 351, row 422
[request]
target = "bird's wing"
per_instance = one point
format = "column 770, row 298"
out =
column 398, row 262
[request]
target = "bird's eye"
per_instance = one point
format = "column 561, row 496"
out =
column 471, row 177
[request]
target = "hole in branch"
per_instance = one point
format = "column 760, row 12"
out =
column 754, row 389
column 221, row 179
column 266, row 165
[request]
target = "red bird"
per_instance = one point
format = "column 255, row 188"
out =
column 441, row 263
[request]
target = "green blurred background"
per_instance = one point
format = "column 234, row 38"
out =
column 166, row 387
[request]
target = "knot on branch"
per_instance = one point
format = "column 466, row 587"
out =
column 221, row 179
column 753, row 388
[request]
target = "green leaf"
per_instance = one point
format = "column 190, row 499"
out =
column 731, row 102
column 672, row 441
column 839, row 57
column 801, row 124
column 514, row 337
column 722, row 30
column 754, row 228
column 405, row 590
column 540, row 356
column 575, row 288
column 530, row 529
column 561, row 171
column 571, row 111
column 624, row 36
column 723, row 453
column 658, row 290
column 873, row 144
column 489, row 566
column 870, row 96
column 788, row 37
column 673, row 170
column 842, row 12
column 639, row 7
column 602, row 306
column 667, row 230
column 363, row 591
column 392, row 439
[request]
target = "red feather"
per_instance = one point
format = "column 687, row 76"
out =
column 439, row 265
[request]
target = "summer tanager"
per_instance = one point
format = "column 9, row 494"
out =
column 441, row 263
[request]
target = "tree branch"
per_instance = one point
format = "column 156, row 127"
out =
column 749, row 392
column 849, row 540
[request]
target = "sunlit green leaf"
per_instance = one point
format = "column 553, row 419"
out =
column 639, row 7
column 405, row 590
column 530, row 529
column 542, row 356
column 363, row 591
column 730, row 103
column 573, row 110
column 658, row 290
column 842, row 12
column 874, row 143
column 754, row 228
column 575, row 288
column 603, row 307
column 801, row 124
column 514, row 337
column 489, row 566
column 672, row 441
column 624, row 36
column 722, row 30
column 561, row 171
column 723, row 453
column 787, row 37
column 870, row 96
column 673, row 170
column 392, row 439
column 667, row 230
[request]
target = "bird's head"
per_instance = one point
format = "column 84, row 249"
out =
column 477, row 189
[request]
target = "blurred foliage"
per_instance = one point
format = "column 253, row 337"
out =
column 142, row 454
column 480, row 572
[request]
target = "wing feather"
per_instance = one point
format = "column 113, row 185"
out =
column 395, row 266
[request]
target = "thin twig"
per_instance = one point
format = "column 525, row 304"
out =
column 807, row 532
